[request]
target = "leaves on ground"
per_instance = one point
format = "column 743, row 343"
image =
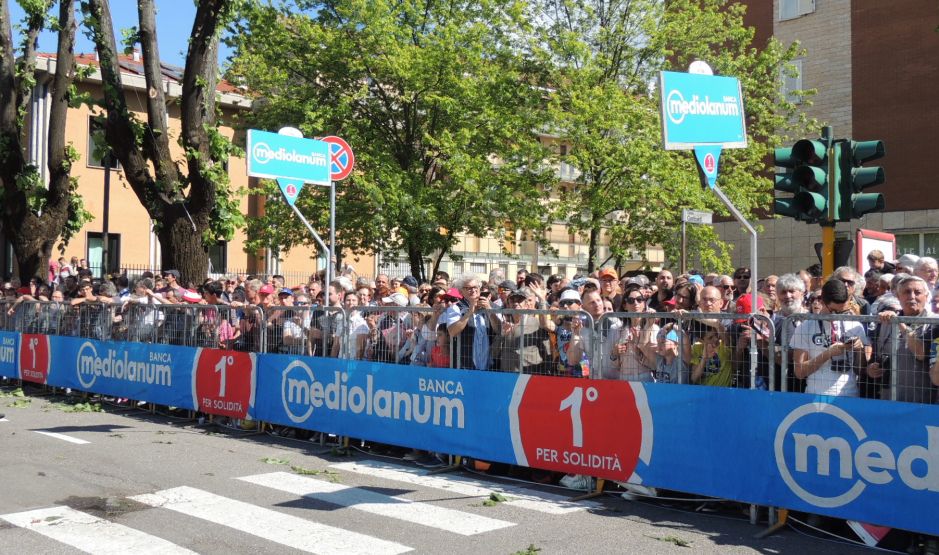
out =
column 19, row 404
column 332, row 475
column 80, row 407
column 530, row 551
column 273, row 460
column 494, row 499
column 18, row 392
column 672, row 539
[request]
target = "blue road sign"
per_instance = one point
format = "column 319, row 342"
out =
column 290, row 188
column 708, row 157
column 272, row 155
column 701, row 110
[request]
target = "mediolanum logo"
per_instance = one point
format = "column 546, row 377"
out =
column 825, row 457
column 677, row 107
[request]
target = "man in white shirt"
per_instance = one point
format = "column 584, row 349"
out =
column 828, row 355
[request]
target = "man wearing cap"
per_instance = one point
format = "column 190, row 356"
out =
column 506, row 288
column 829, row 354
column 906, row 263
column 471, row 321
column 609, row 282
column 410, row 283
column 171, row 279
column 387, row 329
column 524, row 344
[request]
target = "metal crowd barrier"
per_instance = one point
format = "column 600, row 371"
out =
column 662, row 347
column 906, row 377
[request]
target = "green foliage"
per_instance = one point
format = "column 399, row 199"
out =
column 428, row 95
column 604, row 59
column 130, row 37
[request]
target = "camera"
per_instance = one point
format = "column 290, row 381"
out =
column 884, row 362
column 840, row 365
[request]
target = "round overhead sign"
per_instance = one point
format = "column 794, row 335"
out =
column 341, row 158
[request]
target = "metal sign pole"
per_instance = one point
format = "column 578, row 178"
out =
column 753, row 276
column 331, row 262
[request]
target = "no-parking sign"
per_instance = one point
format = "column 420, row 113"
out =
column 341, row 157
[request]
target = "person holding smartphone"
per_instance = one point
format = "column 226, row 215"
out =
column 828, row 355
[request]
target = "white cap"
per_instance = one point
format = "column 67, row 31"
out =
column 396, row 298
column 570, row 295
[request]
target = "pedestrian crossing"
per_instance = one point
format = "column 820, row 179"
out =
column 270, row 522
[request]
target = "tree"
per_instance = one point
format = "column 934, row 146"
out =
column 606, row 57
column 34, row 214
column 189, row 201
column 438, row 100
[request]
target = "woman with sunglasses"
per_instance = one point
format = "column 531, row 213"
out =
column 637, row 347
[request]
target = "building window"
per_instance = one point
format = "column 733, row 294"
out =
column 920, row 244
column 95, row 253
column 479, row 268
column 95, row 157
column 792, row 81
column 791, row 9
column 544, row 270
column 218, row 258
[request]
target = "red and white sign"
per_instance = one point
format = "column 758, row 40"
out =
column 594, row 427
column 34, row 358
column 709, row 163
column 341, row 157
column 223, row 382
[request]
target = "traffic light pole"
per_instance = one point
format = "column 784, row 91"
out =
column 828, row 228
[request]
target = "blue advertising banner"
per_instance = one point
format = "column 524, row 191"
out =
column 9, row 347
column 273, row 155
column 453, row 411
column 701, row 110
column 156, row 373
column 842, row 457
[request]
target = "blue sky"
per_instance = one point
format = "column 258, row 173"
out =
column 174, row 23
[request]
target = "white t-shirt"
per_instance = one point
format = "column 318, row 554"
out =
column 816, row 336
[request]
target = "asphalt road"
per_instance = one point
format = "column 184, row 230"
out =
column 131, row 481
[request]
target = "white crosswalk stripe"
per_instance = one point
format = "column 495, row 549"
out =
column 520, row 497
column 91, row 534
column 396, row 507
column 270, row 525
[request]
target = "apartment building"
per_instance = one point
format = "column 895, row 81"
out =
column 875, row 70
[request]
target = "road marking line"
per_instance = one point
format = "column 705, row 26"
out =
column 451, row 520
column 520, row 497
column 281, row 528
column 90, row 533
column 63, row 437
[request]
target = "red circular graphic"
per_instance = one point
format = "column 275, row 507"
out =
column 292, row 190
column 342, row 159
column 34, row 358
column 224, row 382
column 709, row 163
column 605, row 412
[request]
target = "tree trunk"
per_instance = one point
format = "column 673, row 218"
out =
column 416, row 259
column 181, row 247
column 593, row 248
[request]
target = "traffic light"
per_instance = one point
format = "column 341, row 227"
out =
column 853, row 203
column 808, row 180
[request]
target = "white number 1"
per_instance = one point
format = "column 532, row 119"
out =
column 33, row 342
column 573, row 402
column 221, row 367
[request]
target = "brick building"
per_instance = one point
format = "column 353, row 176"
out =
column 875, row 68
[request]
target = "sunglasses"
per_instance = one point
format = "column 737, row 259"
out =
column 635, row 300
column 742, row 276
column 567, row 303
column 848, row 282
column 727, row 287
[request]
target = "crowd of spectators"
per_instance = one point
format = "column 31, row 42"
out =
column 596, row 325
